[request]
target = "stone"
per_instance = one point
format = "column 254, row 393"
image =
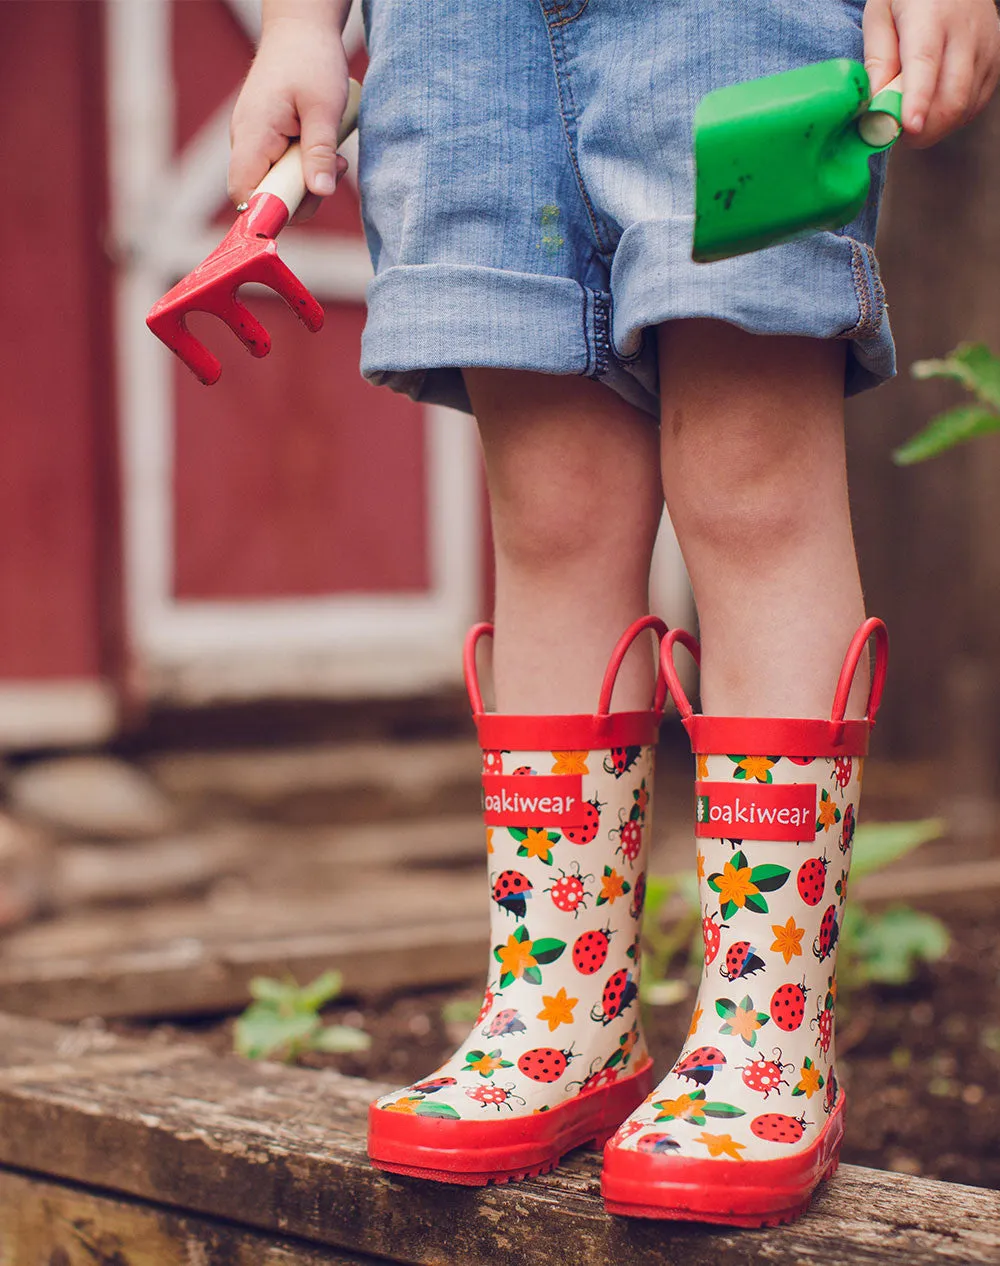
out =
column 93, row 797
column 25, row 871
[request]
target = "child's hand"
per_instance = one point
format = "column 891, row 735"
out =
column 297, row 86
column 949, row 52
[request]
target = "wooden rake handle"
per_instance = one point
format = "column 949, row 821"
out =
column 286, row 178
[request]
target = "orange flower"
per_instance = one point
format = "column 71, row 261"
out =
column 809, row 1081
column 756, row 767
column 570, row 763
column 695, row 1021
column 489, row 839
column 735, row 885
column 679, row 1108
column 701, row 865
column 486, row 1064
column 537, row 844
column 787, row 939
column 701, row 767
column 611, row 887
column 516, row 957
column 721, row 1145
column 407, row 1104
column 744, row 1023
column 557, row 1009
column 828, row 813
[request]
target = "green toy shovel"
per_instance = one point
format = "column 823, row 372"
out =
column 780, row 156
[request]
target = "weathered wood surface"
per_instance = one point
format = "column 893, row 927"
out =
column 61, row 1224
column 282, row 1150
column 188, row 957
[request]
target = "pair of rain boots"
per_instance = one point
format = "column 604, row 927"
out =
column 750, row 1118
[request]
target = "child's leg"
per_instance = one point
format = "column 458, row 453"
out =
column 755, row 481
column 575, row 499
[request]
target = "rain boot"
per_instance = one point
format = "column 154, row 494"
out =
column 750, row 1118
column 556, row 1058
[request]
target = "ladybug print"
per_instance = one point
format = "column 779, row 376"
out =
column 597, row 1080
column 775, row 1127
column 511, row 891
column 657, row 1143
column 638, row 896
column 621, row 760
column 824, row 1025
column 847, row 829
column 741, row 960
column 788, row 1006
column 590, row 951
column 700, row 1065
column 493, row 762
column 544, row 1063
column 495, row 1096
column 811, row 880
column 435, row 1084
column 764, row 1075
column 826, row 940
column 800, row 760
column 523, row 770
column 712, row 935
column 506, row 1021
column 568, row 893
column 842, row 766
column 619, row 993
column 629, row 832
column 625, row 1131
column 586, row 830
column 489, row 997
column 830, row 1097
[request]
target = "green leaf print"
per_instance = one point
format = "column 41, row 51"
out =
column 728, row 1110
column 768, row 878
column 485, row 1063
column 753, row 902
column 532, row 976
column 547, row 949
column 428, row 1108
column 725, row 1008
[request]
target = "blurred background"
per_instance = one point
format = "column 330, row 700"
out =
column 231, row 618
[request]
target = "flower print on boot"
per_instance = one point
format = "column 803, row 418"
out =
column 556, row 1058
column 755, row 1082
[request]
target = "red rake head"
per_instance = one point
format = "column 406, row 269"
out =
column 248, row 253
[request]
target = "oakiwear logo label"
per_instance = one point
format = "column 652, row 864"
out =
column 533, row 800
column 736, row 811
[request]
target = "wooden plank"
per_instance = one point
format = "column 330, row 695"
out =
column 191, row 957
column 65, row 1225
column 283, row 1150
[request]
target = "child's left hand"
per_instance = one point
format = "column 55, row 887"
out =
column 949, row 53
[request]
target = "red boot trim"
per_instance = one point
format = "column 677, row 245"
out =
column 566, row 734
column 775, row 736
column 732, row 1193
column 474, row 1153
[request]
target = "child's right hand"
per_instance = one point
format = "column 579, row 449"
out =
column 296, row 87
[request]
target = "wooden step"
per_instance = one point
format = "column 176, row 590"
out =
column 281, row 1152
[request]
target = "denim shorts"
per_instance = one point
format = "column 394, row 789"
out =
column 527, row 187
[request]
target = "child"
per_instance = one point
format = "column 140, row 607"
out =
column 526, row 179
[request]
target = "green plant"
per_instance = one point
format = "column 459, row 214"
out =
column 883, row 946
column 978, row 370
column 283, row 1021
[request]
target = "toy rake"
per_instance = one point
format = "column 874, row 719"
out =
column 248, row 253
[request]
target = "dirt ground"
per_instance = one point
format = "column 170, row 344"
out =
column 921, row 1063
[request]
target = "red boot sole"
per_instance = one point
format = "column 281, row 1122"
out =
column 726, row 1193
column 475, row 1153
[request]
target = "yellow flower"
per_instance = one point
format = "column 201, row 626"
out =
column 787, row 939
column 721, row 1145
column 701, row 767
column 809, row 1081
column 489, row 839
column 570, row 763
column 680, row 1108
column 537, row 844
column 516, row 957
column 695, row 1021
column 735, row 885
column 611, row 886
column 557, row 1009
column 744, row 1023
column 486, row 1065
column 756, row 767
column 701, row 865
column 407, row 1104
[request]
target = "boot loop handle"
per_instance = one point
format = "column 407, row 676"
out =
column 871, row 628
column 622, row 646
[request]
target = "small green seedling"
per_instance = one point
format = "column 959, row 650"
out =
column 283, row 1021
column 978, row 370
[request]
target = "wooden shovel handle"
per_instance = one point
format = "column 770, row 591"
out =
column 286, row 178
